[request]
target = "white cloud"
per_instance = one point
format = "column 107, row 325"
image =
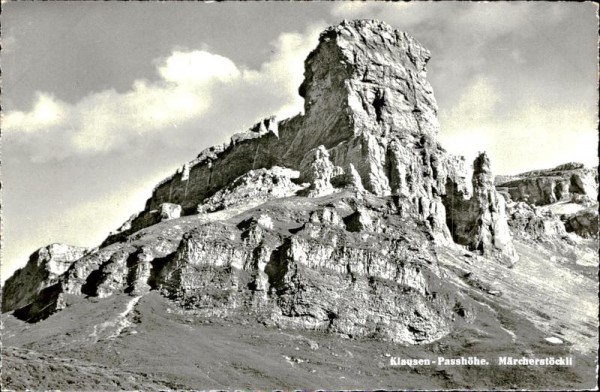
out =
column 285, row 71
column 108, row 120
column 46, row 112
column 197, row 68
column 532, row 135
column 190, row 87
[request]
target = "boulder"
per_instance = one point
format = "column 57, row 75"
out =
column 168, row 211
column 584, row 222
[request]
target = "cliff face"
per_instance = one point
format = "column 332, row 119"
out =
column 551, row 203
column 355, row 193
column 480, row 222
column 541, row 187
column 370, row 117
column 42, row 270
column 367, row 103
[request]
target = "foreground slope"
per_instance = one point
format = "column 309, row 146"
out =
column 505, row 312
column 153, row 338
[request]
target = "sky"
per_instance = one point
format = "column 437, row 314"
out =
column 100, row 101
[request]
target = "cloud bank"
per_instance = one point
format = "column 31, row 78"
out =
column 530, row 132
column 193, row 88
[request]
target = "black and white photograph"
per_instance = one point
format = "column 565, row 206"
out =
column 298, row 195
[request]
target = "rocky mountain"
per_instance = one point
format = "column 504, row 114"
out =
column 349, row 219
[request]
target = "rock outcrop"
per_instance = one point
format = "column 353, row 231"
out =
column 256, row 186
column 541, row 187
column 480, row 222
column 583, row 222
column 42, row 270
column 533, row 222
column 353, row 195
column 336, row 271
column 370, row 121
column 546, row 204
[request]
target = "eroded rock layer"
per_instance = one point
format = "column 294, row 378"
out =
column 541, row 187
column 43, row 269
column 548, row 204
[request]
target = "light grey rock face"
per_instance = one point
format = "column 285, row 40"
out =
column 113, row 275
column 256, row 185
column 492, row 232
column 116, row 268
column 316, row 168
column 542, row 187
column 370, row 115
column 169, row 211
column 531, row 221
column 357, row 269
column 164, row 212
column 351, row 266
column 378, row 73
column 125, row 270
column 552, row 201
column 480, row 222
column 42, row 270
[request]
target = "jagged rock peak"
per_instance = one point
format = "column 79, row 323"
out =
column 480, row 222
column 491, row 233
column 378, row 72
column 482, row 172
column 373, row 33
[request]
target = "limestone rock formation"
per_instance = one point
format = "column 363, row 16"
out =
column 534, row 222
column 169, row 211
column 43, row 269
column 325, row 220
column 257, row 186
column 549, row 203
column 541, row 187
column 318, row 171
column 370, row 121
column 480, row 222
column 380, row 278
